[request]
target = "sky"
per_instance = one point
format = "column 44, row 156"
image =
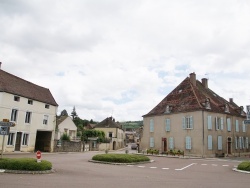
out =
column 120, row 58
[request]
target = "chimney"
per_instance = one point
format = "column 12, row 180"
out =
column 193, row 78
column 204, row 82
column 231, row 100
column 0, row 64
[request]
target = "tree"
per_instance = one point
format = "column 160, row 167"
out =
column 64, row 113
column 73, row 113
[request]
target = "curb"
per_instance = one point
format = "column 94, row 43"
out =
column 104, row 162
column 241, row 171
column 26, row 171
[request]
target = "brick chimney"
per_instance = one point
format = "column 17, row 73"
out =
column 231, row 100
column 205, row 82
column 193, row 78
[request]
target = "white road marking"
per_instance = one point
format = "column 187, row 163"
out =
column 186, row 166
column 165, row 168
column 153, row 167
column 225, row 165
column 141, row 166
column 130, row 165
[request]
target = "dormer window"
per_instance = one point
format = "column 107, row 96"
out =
column 227, row 108
column 241, row 110
column 207, row 104
column 167, row 110
column 47, row 106
column 16, row 98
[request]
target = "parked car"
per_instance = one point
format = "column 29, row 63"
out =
column 134, row 146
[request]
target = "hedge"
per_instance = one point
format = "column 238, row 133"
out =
column 120, row 158
column 29, row 164
column 244, row 166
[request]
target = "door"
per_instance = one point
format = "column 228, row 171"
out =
column 18, row 141
column 229, row 144
column 164, row 144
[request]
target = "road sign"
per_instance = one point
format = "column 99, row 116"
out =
column 4, row 130
column 7, row 124
column 38, row 156
column 247, row 121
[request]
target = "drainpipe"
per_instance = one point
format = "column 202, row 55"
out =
column 203, row 134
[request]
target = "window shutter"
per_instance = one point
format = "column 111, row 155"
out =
column 243, row 127
column 191, row 123
column 209, row 142
column 209, row 122
column 151, row 125
column 236, row 142
column 228, row 124
column 219, row 142
column 240, row 144
column 183, row 123
column 243, row 142
column 151, row 142
column 221, row 123
column 188, row 142
column 236, row 125
column 171, row 143
column 247, row 142
column 216, row 123
column 167, row 124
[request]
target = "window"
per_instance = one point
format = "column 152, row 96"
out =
column 236, row 125
column 14, row 113
column 151, row 144
column 243, row 142
column 207, row 104
column 188, row 142
column 110, row 134
column 240, row 143
column 45, row 119
column 151, row 125
column 236, row 142
column 228, row 124
column 187, row 122
column 16, row 98
column 243, row 127
column 209, row 142
column 209, row 122
column 10, row 141
column 25, row 139
column 167, row 110
column 171, row 143
column 30, row 101
column 219, row 123
column 227, row 108
column 28, row 117
column 47, row 106
column 219, row 142
column 167, row 125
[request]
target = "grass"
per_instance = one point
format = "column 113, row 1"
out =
column 29, row 164
column 245, row 165
column 120, row 158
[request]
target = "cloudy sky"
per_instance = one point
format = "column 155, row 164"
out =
column 122, row 57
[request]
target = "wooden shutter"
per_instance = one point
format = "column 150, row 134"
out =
column 171, row 143
column 219, row 142
column 228, row 124
column 209, row 122
column 236, row 142
column 236, row 125
column 184, row 123
column 151, row 125
column 151, row 142
column 216, row 123
column 188, row 142
column 167, row 124
column 221, row 123
column 191, row 122
column 246, row 142
column 209, row 142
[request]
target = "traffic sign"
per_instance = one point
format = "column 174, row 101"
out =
column 38, row 156
column 7, row 124
column 247, row 121
column 4, row 130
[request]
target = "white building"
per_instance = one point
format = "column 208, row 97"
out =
column 32, row 108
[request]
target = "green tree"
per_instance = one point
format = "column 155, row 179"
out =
column 74, row 114
column 64, row 113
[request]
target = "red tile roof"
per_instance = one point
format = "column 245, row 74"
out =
column 187, row 97
column 109, row 122
column 17, row 86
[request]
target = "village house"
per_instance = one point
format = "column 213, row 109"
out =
column 32, row 108
column 194, row 119
column 113, row 131
column 65, row 125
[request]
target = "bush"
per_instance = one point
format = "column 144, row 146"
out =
column 120, row 158
column 28, row 164
column 244, row 166
column 65, row 137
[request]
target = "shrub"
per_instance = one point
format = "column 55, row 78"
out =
column 28, row 164
column 65, row 137
column 120, row 158
column 244, row 166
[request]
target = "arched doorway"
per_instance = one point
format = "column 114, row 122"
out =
column 114, row 145
column 229, row 145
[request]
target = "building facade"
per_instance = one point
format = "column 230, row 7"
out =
column 113, row 132
column 32, row 108
column 194, row 119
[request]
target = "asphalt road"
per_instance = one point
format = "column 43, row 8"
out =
column 74, row 170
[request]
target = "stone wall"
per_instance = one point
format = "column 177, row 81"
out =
column 68, row 146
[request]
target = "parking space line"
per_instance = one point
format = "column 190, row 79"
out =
column 141, row 166
column 165, row 168
column 186, row 166
column 225, row 165
column 153, row 167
